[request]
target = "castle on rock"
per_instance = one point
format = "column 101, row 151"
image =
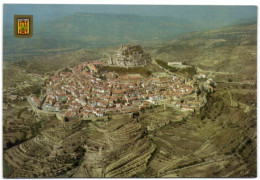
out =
column 129, row 56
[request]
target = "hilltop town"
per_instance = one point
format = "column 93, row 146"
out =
column 83, row 92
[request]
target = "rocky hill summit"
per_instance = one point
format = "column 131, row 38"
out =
column 130, row 56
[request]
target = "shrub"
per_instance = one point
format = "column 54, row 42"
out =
column 67, row 70
column 190, row 71
column 166, row 66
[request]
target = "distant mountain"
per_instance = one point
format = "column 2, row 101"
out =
column 80, row 30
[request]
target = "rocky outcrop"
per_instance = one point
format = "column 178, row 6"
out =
column 129, row 56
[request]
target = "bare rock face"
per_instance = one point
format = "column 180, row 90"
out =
column 129, row 56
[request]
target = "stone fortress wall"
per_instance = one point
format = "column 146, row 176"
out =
column 129, row 56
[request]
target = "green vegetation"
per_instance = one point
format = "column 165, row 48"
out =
column 20, row 112
column 140, row 175
column 166, row 66
column 33, row 89
column 7, row 169
column 188, row 71
column 21, row 63
column 188, row 164
column 67, row 70
column 35, row 128
column 229, row 80
column 17, row 141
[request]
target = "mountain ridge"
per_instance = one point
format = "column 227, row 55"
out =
column 99, row 30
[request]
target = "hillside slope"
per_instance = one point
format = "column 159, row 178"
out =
column 231, row 49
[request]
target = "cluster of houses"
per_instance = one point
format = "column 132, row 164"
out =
column 81, row 93
column 189, row 105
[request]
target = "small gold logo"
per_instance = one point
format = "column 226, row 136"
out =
column 23, row 26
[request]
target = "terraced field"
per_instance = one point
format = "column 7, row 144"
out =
column 19, row 123
column 215, row 146
column 121, row 150
column 218, row 142
column 51, row 153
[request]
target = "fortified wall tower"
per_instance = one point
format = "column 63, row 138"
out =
column 129, row 56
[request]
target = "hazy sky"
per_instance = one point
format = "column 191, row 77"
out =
column 42, row 12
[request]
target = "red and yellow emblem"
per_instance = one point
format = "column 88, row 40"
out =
column 23, row 26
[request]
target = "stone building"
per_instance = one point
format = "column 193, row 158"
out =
column 129, row 56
